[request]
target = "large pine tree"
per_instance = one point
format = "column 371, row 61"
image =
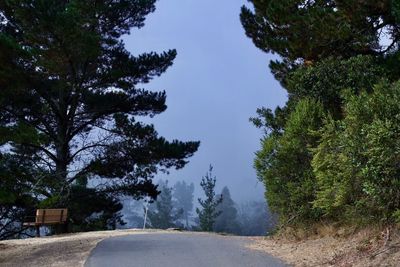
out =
column 69, row 95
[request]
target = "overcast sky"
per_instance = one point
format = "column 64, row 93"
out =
column 217, row 82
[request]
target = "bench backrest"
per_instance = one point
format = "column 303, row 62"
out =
column 49, row 216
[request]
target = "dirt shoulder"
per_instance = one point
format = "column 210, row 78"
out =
column 56, row 251
column 362, row 248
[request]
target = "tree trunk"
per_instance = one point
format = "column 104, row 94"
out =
column 37, row 231
column 62, row 144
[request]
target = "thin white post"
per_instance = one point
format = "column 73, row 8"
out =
column 146, row 207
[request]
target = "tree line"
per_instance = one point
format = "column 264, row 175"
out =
column 174, row 208
column 332, row 151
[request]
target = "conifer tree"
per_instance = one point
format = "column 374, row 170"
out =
column 227, row 221
column 183, row 194
column 162, row 213
column 208, row 212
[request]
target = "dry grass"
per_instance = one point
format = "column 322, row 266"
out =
column 328, row 245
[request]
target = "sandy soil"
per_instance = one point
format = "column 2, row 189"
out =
column 365, row 248
column 56, row 251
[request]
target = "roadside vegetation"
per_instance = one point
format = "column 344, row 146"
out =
column 331, row 153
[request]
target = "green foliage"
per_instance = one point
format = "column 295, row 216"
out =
column 16, row 198
column 100, row 210
column 356, row 163
column 303, row 32
column 396, row 216
column 334, row 53
column 284, row 163
column 271, row 122
column 325, row 80
column 208, row 212
column 335, row 175
column 395, row 6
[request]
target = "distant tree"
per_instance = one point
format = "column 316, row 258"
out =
column 183, row 194
column 162, row 214
column 227, row 222
column 255, row 218
column 132, row 212
column 70, row 92
column 208, row 212
column 133, row 220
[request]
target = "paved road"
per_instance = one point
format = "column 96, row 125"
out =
column 177, row 250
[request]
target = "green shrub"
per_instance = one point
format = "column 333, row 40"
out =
column 357, row 161
column 284, row 163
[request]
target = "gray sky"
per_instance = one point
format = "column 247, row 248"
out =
column 217, row 82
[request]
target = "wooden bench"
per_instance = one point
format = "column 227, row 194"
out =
column 48, row 217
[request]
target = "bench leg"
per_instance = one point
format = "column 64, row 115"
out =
column 37, row 231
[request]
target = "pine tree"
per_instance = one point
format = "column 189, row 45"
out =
column 183, row 194
column 70, row 92
column 162, row 213
column 256, row 219
column 208, row 212
column 304, row 32
column 227, row 222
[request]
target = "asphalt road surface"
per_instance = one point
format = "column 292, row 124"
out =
column 177, row 250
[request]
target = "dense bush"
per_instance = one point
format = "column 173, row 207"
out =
column 357, row 162
column 284, row 163
column 325, row 80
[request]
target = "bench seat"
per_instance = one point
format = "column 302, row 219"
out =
column 47, row 217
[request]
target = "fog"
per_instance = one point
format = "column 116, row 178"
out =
column 217, row 82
